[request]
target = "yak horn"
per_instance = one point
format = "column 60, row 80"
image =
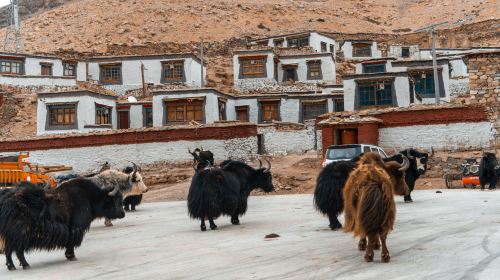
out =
column 405, row 165
column 432, row 152
column 408, row 154
column 269, row 164
column 189, row 151
column 113, row 192
column 260, row 163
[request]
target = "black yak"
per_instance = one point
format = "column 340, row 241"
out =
column 488, row 171
column 370, row 210
column 224, row 191
column 201, row 158
column 32, row 218
column 418, row 167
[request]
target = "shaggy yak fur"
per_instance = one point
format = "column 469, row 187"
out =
column 488, row 171
column 418, row 167
column 32, row 218
column 370, row 210
column 202, row 159
column 224, row 191
column 329, row 186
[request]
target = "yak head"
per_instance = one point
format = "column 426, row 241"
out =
column 112, row 206
column 263, row 177
column 489, row 161
column 135, row 179
column 394, row 169
column 418, row 159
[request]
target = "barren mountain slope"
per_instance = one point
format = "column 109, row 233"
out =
column 87, row 25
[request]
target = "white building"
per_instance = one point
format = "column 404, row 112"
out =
column 360, row 49
column 123, row 73
column 318, row 41
column 75, row 111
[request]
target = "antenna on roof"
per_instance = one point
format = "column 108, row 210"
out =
column 13, row 36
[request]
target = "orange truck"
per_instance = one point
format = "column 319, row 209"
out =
column 14, row 169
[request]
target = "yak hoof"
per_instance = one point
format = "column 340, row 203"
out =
column 386, row 258
column 26, row 266
column 376, row 246
column 368, row 258
column 362, row 245
column 203, row 228
column 108, row 223
column 335, row 226
column 11, row 267
column 71, row 259
column 213, row 227
column 235, row 222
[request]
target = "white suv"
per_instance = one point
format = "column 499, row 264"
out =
column 347, row 152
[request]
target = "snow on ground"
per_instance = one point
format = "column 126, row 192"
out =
column 449, row 235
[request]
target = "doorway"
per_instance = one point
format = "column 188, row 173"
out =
column 123, row 119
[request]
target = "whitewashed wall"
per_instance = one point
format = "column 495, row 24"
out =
column 32, row 66
column 282, row 142
column 327, row 68
column 289, row 110
column 136, row 116
column 315, row 40
column 347, row 51
column 85, row 112
column 91, row 158
column 349, row 94
column 253, row 83
column 253, row 109
column 453, row 136
column 24, row 81
column 397, row 51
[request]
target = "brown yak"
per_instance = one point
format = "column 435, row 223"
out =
column 370, row 210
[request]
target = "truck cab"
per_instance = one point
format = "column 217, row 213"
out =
column 347, row 152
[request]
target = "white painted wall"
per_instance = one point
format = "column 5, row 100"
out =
column 327, row 68
column 27, row 81
column 253, row 109
column 347, row 51
column 85, row 112
column 289, row 110
column 315, row 40
column 402, row 89
column 349, row 94
column 455, row 136
column 253, row 83
column 282, row 142
column 397, row 52
column 91, row 158
column 81, row 71
column 32, row 66
column 136, row 116
column 458, row 68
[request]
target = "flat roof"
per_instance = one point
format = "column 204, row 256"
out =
column 78, row 92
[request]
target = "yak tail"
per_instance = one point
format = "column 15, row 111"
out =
column 204, row 198
column 328, row 196
column 372, row 210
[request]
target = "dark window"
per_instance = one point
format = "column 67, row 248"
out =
column 46, row 69
column 111, row 74
column 405, row 52
column 312, row 110
column 173, row 71
column 375, row 94
column 63, row 115
column 339, row 104
column 11, row 67
column 148, row 117
column 361, row 50
column 242, row 113
column 278, row 42
column 253, row 67
column 102, row 114
column 183, row 111
column 69, row 69
column 324, row 47
column 270, row 111
column 289, row 74
column 314, row 70
column 332, row 49
column 373, row 68
column 424, row 85
column 298, row 42
column 222, row 110
column 262, row 43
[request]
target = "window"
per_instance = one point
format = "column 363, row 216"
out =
column 314, row 70
column 361, row 50
column 424, row 85
column 377, row 93
column 69, row 69
column 298, row 42
column 46, row 69
column 173, row 71
column 373, row 68
column 253, row 67
column 278, row 42
column 270, row 111
column 338, row 104
column 332, row 49
column 242, row 113
column 311, row 110
column 148, row 116
column 222, row 109
column 289, row 73
column 61, row 116
column 366, row 149
column 111, row 74
column 11, row 67
column 183, row 111
column 405, row 52
column 102, row 114
column 323, row 47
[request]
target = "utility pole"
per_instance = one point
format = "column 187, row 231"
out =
column 432, row 29
column 13, row 37
column 143, row 82
column 202, row 47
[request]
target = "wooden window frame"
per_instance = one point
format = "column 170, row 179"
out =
column 298, row 42
column 66, row 68
column 332, row 48
column 403, row 50
column 324, row 47
column 373, row 65
column 262, row 112
column 306, row 103
column 337, row 102
column 51, row 68
column 356, row 52
column 178, row 75
column 104, row 81
column 184, row 103
column 286, row 68
column 145, row 110
column 242, row 107
column 309, row 70
column 253, row 60
column 99, row 109
column 9, row 63
column 72, row 106
column 377, row 102
column 222, row 112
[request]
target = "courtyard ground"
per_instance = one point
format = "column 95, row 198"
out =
column 449, row 235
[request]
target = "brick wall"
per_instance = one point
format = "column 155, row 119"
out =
column 368, row 133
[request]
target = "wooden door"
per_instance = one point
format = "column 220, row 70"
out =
column 123, row 119
column 242, row 114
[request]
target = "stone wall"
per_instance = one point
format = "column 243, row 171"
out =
column 287, row 138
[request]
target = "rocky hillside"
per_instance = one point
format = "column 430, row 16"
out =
column 28, row 8
column 87, row 25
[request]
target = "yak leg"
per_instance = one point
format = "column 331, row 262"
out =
column 213, row 226
column 107, row 222
column 203, row 226
column 362, row 243
column 10, row 263
column 22, row 260
column 369, row 248
column 133, row 207
column 334, row 222
column 234, row 219
column 126, row 207
column 385, row 252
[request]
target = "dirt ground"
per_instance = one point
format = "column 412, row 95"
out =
column 292, row 174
